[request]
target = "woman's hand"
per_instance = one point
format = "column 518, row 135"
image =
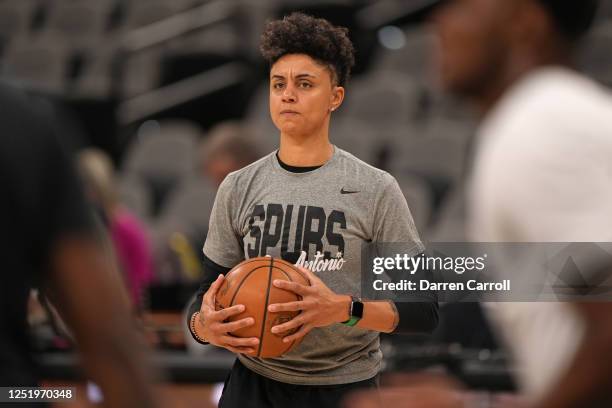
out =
column 210, row 323
column 319, row 306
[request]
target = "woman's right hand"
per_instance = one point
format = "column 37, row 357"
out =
column 210, row 324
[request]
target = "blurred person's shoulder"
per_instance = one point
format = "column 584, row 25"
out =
column 23, row 118
column 561, row 91
column 17, row 100
column 13, row 93
column 550, row 103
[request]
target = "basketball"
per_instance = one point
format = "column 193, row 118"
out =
column 250, row 284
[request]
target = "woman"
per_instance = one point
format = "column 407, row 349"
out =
column 306, row 202
column 127, row 233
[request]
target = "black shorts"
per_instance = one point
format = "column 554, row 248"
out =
column 246, row 389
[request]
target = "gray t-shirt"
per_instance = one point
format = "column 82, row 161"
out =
column 318, row 219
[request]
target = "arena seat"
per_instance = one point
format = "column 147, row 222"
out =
column 187, row 211
column 358, row 138
column 595, row 58
column 39, row 64
column 15, row 18
column 134, row 194
column 142, row 13
column 413, row 59
column 377, row 98
column 418, row 197
column 162, row 156
column 78, row 22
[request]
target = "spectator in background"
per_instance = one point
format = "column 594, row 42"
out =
column 49, row 241
column 183, row 223
column 229, row 147
column 128, row 235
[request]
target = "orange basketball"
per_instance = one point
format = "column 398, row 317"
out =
column 250, row 284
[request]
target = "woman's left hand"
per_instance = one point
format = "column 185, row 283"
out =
column 319, row 306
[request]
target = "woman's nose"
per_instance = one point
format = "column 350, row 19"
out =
column 288, row 94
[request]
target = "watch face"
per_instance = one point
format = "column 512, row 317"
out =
column 357, row 309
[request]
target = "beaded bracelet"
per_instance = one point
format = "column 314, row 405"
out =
column 193, row 329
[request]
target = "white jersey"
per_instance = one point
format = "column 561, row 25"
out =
column 543, row 173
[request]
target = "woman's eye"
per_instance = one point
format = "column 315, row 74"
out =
column 305, row 85
column 278, row 85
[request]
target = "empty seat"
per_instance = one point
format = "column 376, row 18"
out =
column 96, row 77
column 449, row 223
column 141, row 72
column 135, row 195
column 382, row 99
column 179, row 232
column 142, row 13
column 595, row 58
column 78, row 22
column 162, row 155
column 186, row 211
column 358, row 138
column 258, row 109
column 15, row 18
column 605, row 10
column 41, row 65
column 419, row 199
column 413, row 59
column 436, row 150
column 266, row 135
column 218, row 39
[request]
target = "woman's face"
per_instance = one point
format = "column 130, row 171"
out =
column 302, row 95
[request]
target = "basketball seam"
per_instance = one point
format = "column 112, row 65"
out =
column 272, row 266
column 302, row 275
column 265, row 314
column 300, row 298
column 297, row 270
column 240, row 284
column 242, row 264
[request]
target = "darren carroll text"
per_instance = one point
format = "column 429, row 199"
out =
column 424, row 284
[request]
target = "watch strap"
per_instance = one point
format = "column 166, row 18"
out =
column 353, row 317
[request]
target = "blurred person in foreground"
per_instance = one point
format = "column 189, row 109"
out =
column 49, row 241
column 542, row 173
column 127, row 233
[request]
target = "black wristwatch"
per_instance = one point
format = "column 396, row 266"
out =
column 355, row 312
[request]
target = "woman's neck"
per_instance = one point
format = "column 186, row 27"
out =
column 314, row 150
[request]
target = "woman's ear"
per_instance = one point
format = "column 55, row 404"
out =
column 337, row 98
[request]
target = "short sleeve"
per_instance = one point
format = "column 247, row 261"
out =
column 395, row 233
column 393, row 222
column 223, row 243
column 542, row 183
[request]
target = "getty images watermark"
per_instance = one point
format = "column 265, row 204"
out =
column 528, row 272
column 422, row 262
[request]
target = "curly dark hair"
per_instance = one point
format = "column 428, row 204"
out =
column 299, row 33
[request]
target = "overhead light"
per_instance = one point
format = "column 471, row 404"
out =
column 391, row 37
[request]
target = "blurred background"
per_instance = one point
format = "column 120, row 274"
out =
column 160, row 99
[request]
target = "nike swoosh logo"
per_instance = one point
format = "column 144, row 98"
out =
column 343, row 191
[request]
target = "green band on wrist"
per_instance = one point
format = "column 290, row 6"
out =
column 352, row 321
